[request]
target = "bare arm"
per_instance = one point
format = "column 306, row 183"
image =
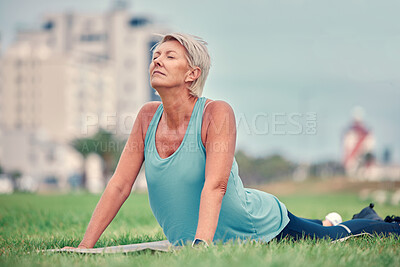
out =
column 105, row 211
column 120, row 185
column 220, row 149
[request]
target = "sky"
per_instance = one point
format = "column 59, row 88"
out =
column 293, row 70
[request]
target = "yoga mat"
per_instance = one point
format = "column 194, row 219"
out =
column 164, row 246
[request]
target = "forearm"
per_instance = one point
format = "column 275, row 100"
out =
column 105, row 211
column 210, row 207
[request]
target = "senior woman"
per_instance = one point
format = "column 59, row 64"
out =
column 187, row 143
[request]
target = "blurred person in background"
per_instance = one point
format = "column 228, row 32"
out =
column 187, row 143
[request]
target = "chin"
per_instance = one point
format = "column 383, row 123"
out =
column 156, row 85
column 157, row 82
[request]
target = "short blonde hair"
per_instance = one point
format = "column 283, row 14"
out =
column 197, row 56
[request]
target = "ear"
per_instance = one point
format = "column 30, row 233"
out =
column 193, row 74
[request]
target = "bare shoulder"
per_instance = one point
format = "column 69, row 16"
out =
column 218, row 109
column 149, row 107
column 148, row 110
column 218, row 114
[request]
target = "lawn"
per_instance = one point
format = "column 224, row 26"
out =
column 34, row 222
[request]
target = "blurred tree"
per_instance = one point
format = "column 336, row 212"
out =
column 103, row 143
column 1, row 170
column 263, row 169
column 84, row 146
column 326, row 169
column 15, row 174
column 109, row 148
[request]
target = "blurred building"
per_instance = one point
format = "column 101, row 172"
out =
column 359, row 158
column 35, row 155
column 78, row 73
column 52, row 92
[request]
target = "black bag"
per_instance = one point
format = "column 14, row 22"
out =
column 368, row 213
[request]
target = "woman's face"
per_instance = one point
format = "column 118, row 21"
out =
column 169, row 67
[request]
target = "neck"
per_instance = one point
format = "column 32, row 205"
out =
column 178, row 107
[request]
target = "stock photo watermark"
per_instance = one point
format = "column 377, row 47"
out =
column 277, row 123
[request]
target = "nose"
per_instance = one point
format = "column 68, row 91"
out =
column 157, row 61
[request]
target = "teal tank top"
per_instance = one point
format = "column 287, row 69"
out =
column 175, row 184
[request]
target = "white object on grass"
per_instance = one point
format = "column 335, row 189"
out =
column 334, row 218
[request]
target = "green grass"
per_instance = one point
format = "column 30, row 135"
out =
column 34, row 222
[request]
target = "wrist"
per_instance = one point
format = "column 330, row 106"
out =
column 81, row 245
column 199, row 242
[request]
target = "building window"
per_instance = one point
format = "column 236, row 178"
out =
column 93, row 37
column 138, row 22
column 49, row 25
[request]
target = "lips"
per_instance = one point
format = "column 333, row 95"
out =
column 158, row 72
